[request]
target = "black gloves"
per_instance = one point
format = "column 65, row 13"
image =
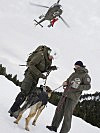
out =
column 43, row 76
column 53, row 68
column 48, row 71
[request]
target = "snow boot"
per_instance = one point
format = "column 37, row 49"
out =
column 52, row 128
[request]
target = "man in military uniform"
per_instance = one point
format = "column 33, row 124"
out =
column 77, row 82
column 39, row 63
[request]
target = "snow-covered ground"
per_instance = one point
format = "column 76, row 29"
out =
column 19, row 37
column 7, row 95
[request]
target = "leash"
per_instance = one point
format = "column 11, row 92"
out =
column 62, row 100
column 61, row 103
column 46, row 77
column 46, row 81
column 44, row 86
column 57, row 88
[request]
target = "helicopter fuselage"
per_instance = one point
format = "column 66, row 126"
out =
column 53, row 12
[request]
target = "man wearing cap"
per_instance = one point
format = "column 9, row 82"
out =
column 77, row 82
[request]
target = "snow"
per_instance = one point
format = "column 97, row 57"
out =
column 7, row 96
column 18, row 37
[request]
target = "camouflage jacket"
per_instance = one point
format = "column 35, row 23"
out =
column 39, row 64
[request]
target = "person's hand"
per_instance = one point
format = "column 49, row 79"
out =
column 43, row 76
column 64, row 84
column 53, row 68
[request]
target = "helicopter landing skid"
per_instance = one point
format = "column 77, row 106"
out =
column 37, row 23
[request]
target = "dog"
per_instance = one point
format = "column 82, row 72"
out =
column 36, row 103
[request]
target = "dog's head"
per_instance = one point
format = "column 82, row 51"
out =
column 48, row 90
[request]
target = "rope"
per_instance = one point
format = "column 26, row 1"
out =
column 46, row 80
column 57, row 88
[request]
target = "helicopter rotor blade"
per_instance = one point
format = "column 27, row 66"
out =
column 65, row 22
column 33, row 4
column 58, row 1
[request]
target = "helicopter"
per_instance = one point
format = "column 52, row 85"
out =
column 52, row 14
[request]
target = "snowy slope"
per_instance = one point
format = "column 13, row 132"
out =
column 7, row 96
column 18, row 37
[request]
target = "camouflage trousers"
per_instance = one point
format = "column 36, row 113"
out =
column 64, row 110
column 28, row 86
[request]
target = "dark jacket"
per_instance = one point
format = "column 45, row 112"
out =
column 39, row 64
column 77, row 82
